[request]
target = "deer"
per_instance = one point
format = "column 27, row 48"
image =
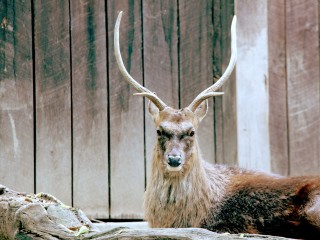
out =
column 185, row 191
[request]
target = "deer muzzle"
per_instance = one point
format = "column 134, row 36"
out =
column 174, row 161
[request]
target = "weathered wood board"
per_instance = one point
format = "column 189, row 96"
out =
column 160, row 49
column 16, row 96
column 277, row 73
column 53, row 99
column 127, row 168
column 252, row 85
column 195, row 64
column 225, row 114
column 89, row 100
column 303, row 78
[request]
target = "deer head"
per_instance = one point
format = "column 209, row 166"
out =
column 176, row 128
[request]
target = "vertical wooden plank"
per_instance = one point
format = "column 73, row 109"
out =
column 224, row 107
column 278, row 129
column 126, row 114
column 303, row 86
column 53, row 108
column 160, row 48
column 252, row 85
column 196, row 41
column 89, row 94
column 229, row 100
column 16, row 96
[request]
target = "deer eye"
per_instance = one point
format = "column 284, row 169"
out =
column 188, row 134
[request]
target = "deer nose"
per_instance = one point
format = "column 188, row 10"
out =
column 174, row 161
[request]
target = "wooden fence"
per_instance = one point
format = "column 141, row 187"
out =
column 278, row 86
column 70, row 126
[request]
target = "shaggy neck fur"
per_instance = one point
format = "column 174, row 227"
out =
column 186, row 198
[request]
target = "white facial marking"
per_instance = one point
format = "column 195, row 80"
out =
column 174, row 169
column 184, row 126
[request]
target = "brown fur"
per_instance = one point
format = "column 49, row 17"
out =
column 269, row 205
column 221, row 198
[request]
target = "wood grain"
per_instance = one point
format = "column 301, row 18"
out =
column 90, row 118
column 303, row 86
column 224, row 107
column 16, row 96
column 127, row 170
column 195, row 63
column 278, row 119
column 160, row 48
column 53, row 107
column 252, row 85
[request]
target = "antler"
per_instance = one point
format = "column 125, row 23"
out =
column 210, row 91
column 142, row 91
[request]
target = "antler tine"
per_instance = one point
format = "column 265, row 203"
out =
column 140, row 89
column 210, row 91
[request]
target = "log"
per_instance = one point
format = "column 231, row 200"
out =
column 42, row 216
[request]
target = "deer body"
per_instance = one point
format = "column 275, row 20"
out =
column 262, row 204
column 221, row 198
column 186, row 191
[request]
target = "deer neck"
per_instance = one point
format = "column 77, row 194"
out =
column 187, row 191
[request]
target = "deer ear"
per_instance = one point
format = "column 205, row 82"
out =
column 153, row 110
column 202, row 110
